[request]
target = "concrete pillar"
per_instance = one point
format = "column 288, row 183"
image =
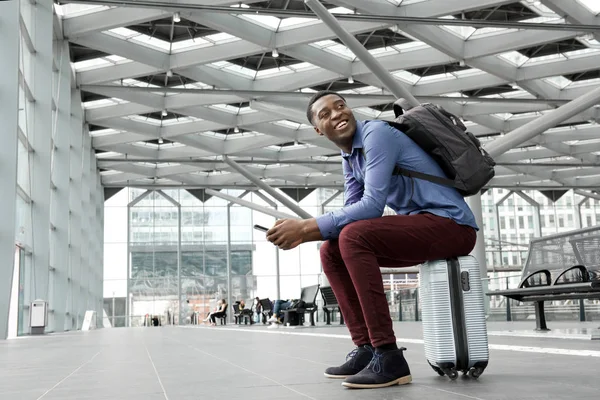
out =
column 75, row 215
column 9, row 106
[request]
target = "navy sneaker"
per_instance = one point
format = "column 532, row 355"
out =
column 356, row 361
column 385, row 369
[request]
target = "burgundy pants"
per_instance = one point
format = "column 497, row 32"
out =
column 352, row 262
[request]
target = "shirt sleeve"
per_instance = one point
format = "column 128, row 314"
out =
column 381, row 151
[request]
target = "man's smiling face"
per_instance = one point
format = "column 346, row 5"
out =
column 335, row 120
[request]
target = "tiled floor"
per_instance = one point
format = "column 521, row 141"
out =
column 256, row 363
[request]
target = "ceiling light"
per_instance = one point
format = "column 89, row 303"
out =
column 236, row 129
column 164, row 113
column 176, row 17
column 160, row 140
column 275, row 53
column 170, row 73
column 350, row 80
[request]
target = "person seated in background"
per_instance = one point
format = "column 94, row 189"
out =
column 278, row 307
column 257, row 309
column 221, row 307
column 220, row 313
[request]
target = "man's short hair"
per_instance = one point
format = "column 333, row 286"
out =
column 317, row 96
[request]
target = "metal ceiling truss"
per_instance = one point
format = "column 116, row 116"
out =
column 137, row 148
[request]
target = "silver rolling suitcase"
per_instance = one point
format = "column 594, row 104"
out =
column 453, row 313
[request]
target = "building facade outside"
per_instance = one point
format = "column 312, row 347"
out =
column 510, row 220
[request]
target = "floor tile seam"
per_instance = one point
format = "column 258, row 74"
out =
column 164, row 392
column 70, row 375
column 245, row 369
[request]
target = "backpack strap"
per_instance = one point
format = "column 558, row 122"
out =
column 419, row 175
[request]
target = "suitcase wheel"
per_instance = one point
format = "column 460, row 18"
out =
column 452, row 373
column 475, row 372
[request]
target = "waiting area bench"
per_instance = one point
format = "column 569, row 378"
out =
column 309, row 299
column 330, row 305
column 565, row 266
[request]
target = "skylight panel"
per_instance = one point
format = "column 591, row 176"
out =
column 503, row 116
column 295, row 23
column 463, row 32
column 102, row 103
column 179, row 121
column 134, row 82
column 136, row 37
column 266, row 73
column 592, row 5
column 108, row 155
column 266, row 21
column 588, row 82
column 146, row 120
column 581, row 52
column 549, row 57
column 407, row 76
column 232, row 109
column 104, row 132
column 70, row 10
column 288, row 124
column 559, row 81
column 341, row 10
column 364, row 90
column 341, row 50
column 124, row 33
column 414, row 45
column 190, row 44
column 383, row 51
column 305, row 66
column 91, row 64
column 219, row 38
column 514, row 57
column 194, row 85
column 243, row 135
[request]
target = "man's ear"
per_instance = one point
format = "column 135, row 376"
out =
column 318, row 131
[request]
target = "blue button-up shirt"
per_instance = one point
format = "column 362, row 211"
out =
column 370, row 185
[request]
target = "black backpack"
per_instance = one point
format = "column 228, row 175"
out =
column 446, row 139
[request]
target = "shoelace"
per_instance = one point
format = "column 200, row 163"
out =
column 354, row 352
column 375, row 364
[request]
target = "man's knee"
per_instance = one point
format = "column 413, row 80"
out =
column 352, row 233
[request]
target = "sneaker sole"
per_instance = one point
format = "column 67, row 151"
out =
column 400, row 381
column 336, row 376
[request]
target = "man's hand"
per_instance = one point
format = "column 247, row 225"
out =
column 289, row 233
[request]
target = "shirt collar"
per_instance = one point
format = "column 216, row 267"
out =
column 357, row 140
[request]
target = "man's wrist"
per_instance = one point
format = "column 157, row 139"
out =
column 310, row 230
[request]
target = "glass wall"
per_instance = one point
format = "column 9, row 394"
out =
column 58, row 214
column 510, row 221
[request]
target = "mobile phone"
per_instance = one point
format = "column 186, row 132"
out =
column 261, row 228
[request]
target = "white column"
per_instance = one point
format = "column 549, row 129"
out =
column 39, row 75
column 59, row 243
column 9, row 105
column 478, row 252
column 99, row 279
column 75, row 217
column 90, row 213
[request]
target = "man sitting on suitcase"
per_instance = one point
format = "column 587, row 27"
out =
column 432, row 222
